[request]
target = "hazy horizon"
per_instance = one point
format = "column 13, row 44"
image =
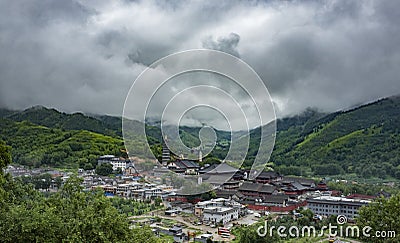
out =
column 84, row 56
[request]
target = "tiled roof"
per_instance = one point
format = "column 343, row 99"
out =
column 257, row 187
column 186, row 164
column 298, row 186
column 216, row 179
column 275, row 198
column 249, row 186
column 268, row 174
column 267, row 189
column 219, row 169
column 190, row 164
column 301, row 180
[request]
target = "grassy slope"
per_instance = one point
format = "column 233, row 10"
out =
column 54, row 119
column 36, row 145
column 364, row 139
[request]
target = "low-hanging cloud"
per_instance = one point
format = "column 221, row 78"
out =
column 84, row 55
column 226, row 44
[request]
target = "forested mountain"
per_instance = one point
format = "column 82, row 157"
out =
column 35, row 145
column 362, row 142
column 52, row 118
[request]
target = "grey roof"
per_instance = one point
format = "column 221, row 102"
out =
column 186, row 164
column 383, row 193
column 268, row 175
column 219, row 169
column 209, row 168
column 216, row 179
column 175, row 229
column 225, row 194
column 267, row 189
column 239, row 195
column 275, row 198
column 301, row 180
column 249, row 186
column 298, row 186
column 257, row 187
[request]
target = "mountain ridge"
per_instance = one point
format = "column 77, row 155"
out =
column 361, row 142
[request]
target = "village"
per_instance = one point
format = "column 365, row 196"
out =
column 237, row 201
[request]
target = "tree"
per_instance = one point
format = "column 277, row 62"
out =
column 158, row 201
column 5, row 156
column 381, row 215
column 249, row 234
column 104, row 169
column 118, row 171
column 69, row 215
column 88, row 166
column 58, row 181
column 5, row 159
column 208, row 195
column 144, row 235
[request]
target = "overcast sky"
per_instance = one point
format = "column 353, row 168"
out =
column 85, row 55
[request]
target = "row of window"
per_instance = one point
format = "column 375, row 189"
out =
column 333, row 206
column 318, row 210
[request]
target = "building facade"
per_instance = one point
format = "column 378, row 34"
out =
column 328, row 205
column 116, row 162
column 220, row 214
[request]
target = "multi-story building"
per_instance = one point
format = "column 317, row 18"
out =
column 125, row 190
column 256, row 189
column 200, row 207
column 268, row 177
column 166, row 155
column 220, row 214
column 188, row 167
column 117, row 163
column 328, row 205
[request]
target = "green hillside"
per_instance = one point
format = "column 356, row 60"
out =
column 54, row 119
column 35, row 145
column 364, row 142
column 46, row 137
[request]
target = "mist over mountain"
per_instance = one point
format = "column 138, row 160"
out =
column 84, row 56
column 363, row 142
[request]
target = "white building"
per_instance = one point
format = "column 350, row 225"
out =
column 220, row 214
column 117, row 163
column 328, row 205
column 125, row 190
column 217, row 202
column 149, row 191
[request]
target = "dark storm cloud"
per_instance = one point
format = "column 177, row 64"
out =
column 84, row 55
column 226, row 44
